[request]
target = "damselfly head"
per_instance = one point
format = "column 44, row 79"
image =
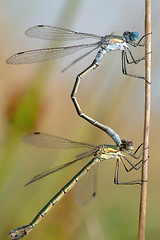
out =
column 127, row 145
column 131, row 36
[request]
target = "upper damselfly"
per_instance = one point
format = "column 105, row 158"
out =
column 87, row 173
column 105, row 44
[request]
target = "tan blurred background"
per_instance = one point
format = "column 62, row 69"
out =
column 37, row 98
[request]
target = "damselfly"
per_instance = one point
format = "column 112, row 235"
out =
column 98, row 153
column 105, row 43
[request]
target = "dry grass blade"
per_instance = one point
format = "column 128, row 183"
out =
column 142, row 211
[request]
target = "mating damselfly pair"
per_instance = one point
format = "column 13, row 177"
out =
column 104, row 44
column 98, row 153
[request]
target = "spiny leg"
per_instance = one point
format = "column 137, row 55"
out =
column 137, row 165
column 133, row 59
column 124, row 68
column 116, row 175
column 133, row 166
column 133, row 155
column 104, row 128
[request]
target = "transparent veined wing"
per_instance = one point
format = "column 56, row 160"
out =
column 41, row 55
column 86, row 188
column 55, row 33
column 56, row 169
column 51, row 141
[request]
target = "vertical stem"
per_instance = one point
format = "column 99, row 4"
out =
column 142, row 210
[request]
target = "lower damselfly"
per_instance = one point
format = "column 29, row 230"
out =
column 98, row 153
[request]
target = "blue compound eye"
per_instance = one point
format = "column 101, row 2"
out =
column 134, row 36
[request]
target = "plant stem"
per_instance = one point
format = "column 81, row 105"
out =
column 142, row 210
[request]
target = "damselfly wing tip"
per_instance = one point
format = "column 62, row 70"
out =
column 36, row 133
column 94, row 194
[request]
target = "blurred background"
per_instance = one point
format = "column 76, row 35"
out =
column 36, row 97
